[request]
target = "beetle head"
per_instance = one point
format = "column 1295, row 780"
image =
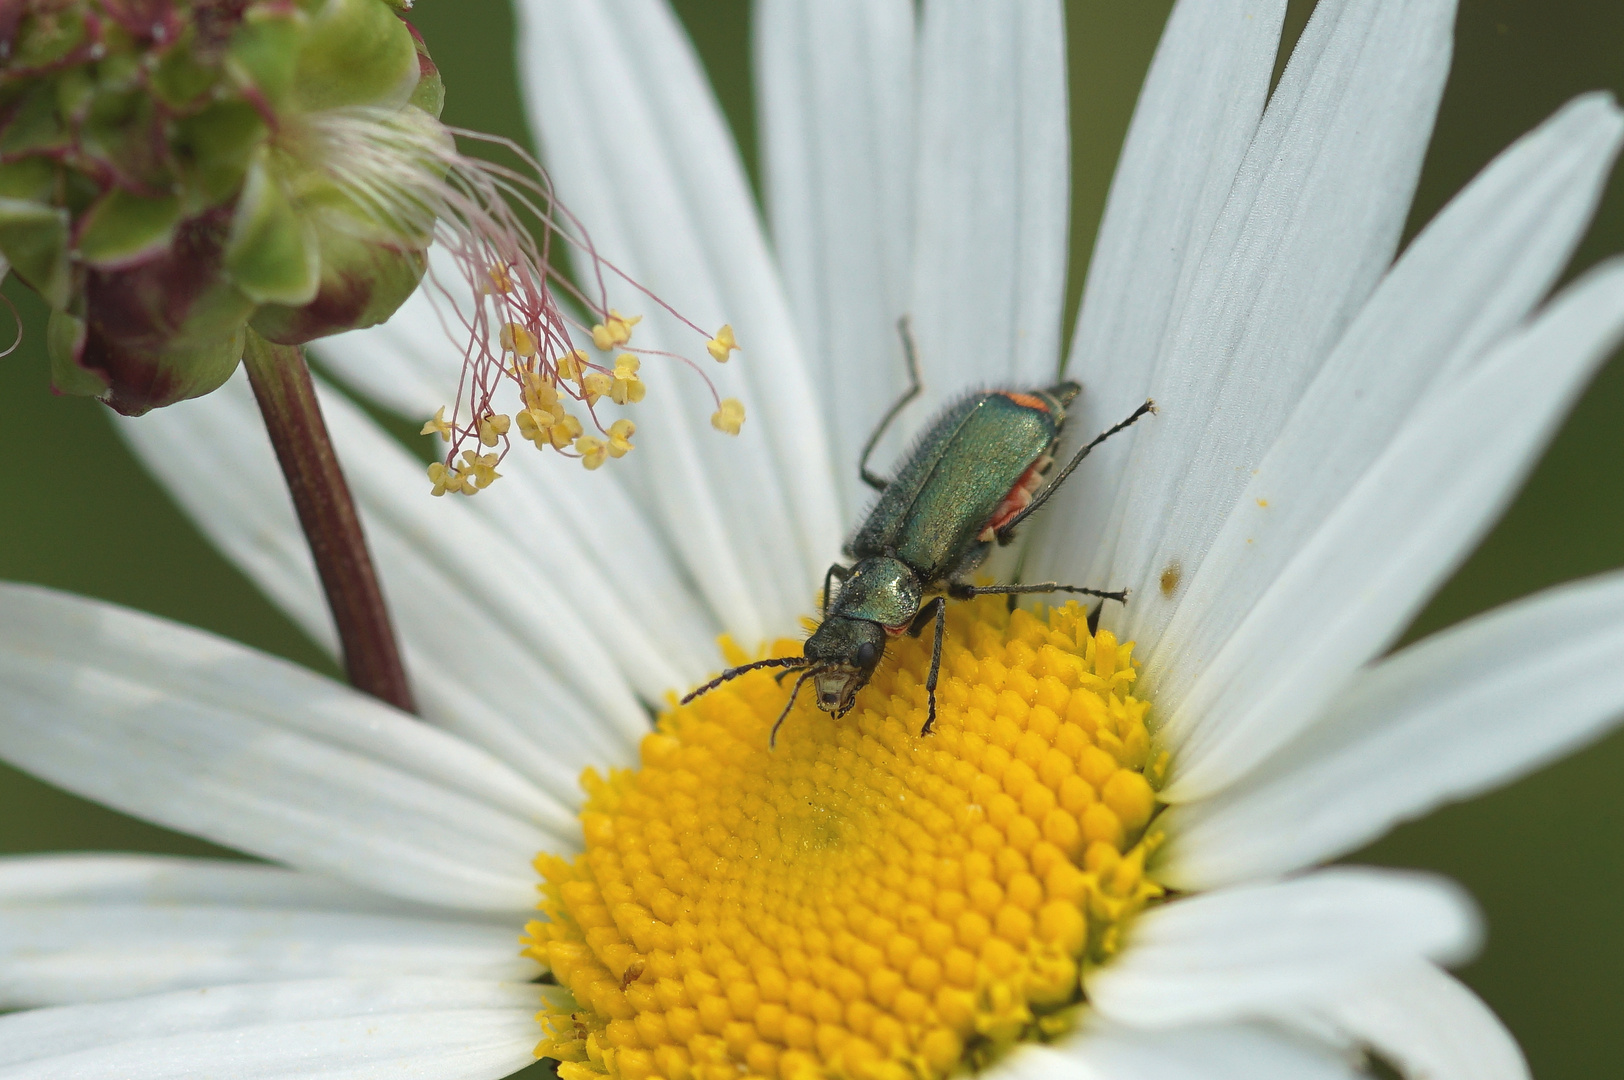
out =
column 843, row 653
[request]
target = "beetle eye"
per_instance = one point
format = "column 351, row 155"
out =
column 865, row 654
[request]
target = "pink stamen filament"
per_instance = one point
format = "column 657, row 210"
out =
column 404, row 170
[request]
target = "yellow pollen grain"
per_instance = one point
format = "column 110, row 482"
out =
column 620, row 437
column 723, row 345
column 860, row 901
column 438, row 426
column 595, row 385
column 729, row 418
column 516, row 339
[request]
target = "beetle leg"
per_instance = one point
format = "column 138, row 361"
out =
column 1006, row 534
column 878, row 483
column 935, row 610
column 772, row 738
column 835, row 571
column 960, row 591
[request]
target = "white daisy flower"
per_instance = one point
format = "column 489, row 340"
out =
column 1091, row 868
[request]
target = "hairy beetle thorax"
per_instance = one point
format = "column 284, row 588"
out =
column 881, row 590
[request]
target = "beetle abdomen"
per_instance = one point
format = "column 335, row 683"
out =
column 1019, row 497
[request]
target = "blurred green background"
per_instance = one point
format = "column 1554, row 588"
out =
column 1545, row 857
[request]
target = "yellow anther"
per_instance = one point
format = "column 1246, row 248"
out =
column 539, row 391
column 499, row 279
column 628, row 387
column 593, row 451
column 620, row 326
column 722, row 344
column 595, row 385
column 860, row 901
column 730, row 417
column 492, row 427
column 534, row 425
column 444, row 478
column 571, row 364
column 616, row 329
column 479, row 471
column 440, row 426
column 565, row 429
column 620, row 437
column 516, row 339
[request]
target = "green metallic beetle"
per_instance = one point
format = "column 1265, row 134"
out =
column 972, row 477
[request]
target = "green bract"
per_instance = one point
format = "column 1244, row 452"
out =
column 165, row 182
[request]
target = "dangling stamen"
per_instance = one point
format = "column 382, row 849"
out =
column 404, row 171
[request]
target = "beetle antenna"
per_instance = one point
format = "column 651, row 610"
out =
column 733, row 673
column 772, row 738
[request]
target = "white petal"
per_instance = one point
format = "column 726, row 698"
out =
column 619, row 569
column 1310, row 226
column 1238, row 953
column 235, row 493
column 487, row 616
column 1425, row 1022
column 200, row 734
column 1466, row 710
column 1195, row 119
column 338, row 1029
column 639, row 151
column 62, row 953
column 492, row 650
column 1227, row 1052
column 834, row 93
column 508, row 589
column 92, row 877
column 621, row 577
column 590, row 538
column 1035, row 1061
column 992, row 196
column 1401, row 530
column 1471, row 276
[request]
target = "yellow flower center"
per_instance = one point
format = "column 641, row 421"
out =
column 860, row 901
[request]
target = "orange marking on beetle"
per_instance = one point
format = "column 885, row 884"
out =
column 1031, row 401
column 1018, row 499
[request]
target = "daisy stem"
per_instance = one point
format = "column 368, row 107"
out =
column 287, row 401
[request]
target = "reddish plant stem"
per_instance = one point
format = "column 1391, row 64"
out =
column 287, row 400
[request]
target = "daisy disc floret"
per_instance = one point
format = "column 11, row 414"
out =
column 859, row 901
